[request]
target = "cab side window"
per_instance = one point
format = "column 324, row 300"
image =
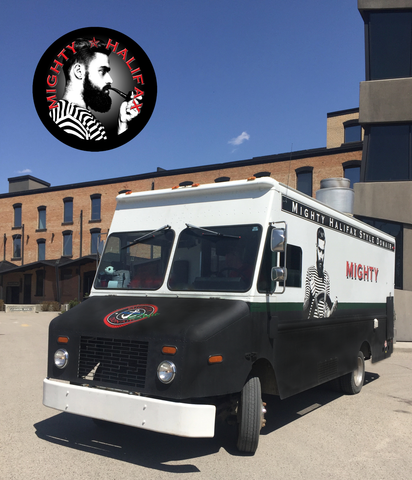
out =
column 293, row 265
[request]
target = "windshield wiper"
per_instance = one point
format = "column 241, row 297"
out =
column 211, row 232
column 147, row 235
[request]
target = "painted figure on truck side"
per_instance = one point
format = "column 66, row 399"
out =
column 317, row 303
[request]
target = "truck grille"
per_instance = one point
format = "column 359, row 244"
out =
column 113, row 361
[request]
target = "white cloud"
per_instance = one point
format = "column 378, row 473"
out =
column 240, row 139
column 26, row 170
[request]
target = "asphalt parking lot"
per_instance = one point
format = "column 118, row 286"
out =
column 319, row 434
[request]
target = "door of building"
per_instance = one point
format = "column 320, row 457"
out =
column 12, row 295
column 27, row 289
column 88, row 278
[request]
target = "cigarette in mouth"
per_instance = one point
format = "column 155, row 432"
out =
column 124, row 95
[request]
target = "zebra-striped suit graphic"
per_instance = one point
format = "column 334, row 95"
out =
column 317, row 301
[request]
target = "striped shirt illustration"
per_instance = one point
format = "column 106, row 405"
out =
column 77, row 121
column 317, row 289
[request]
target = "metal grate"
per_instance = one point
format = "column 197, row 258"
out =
column 114, row 361
column 327, row 369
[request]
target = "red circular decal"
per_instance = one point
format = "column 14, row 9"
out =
column 127, row 315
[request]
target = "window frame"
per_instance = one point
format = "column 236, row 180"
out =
column 368, row 169
column 351, row 164
column 41, row 241
column 17, row 242
column 303, row 170
column 373, row 61
column 40, row 211
column 94, row 231
column 67, row 201
column 17, row 207
column 213, row 251
column 93, row 199
column 67, row 234
column 265, row 284
column 350, row 124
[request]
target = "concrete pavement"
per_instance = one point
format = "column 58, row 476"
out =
column 316, row 435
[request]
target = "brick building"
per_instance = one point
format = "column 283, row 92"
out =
column 50, row 235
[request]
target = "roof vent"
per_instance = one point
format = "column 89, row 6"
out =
column 336, row 193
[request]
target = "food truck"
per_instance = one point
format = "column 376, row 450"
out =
column 208, row 296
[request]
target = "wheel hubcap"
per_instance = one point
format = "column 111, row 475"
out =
column 358, row 373
column 262, row 415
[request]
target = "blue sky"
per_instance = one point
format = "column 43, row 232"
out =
column 236, row 79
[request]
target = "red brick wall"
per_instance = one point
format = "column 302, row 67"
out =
column 325, row 166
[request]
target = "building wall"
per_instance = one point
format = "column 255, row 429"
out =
column 15, row 281
column 335, row 135
column 391, row 107
column 385, row 102
column 383, row 4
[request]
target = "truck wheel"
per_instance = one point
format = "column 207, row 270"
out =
column 352, row 382
column 250, row 416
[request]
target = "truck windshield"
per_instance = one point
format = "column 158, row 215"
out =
column 215, row 258
column 135, row 260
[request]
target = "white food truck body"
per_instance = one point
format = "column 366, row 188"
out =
column 226, row 290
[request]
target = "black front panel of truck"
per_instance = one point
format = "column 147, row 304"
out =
column 117, row 342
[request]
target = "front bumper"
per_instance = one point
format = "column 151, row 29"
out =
column 182, row 419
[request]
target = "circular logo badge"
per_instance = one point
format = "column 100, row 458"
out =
column 94, row 89
column 127, row 315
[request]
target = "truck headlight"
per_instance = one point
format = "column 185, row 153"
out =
column 61, row 358
column 166, row 371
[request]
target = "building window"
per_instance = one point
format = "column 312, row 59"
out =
column 304, row 180
column 389, row 37
column 353, row 131
column 387, row 153
column 16, row 246
column 351, row 171
column 396, row 230
column 42, row 218
column 40, row 283
column 96, row 206
column 17, row 214
column 41, row 249
column 68, row 243
column 95, row 240
column 68, row 210
column 65, row 274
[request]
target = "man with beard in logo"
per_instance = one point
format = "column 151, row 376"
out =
column 317, row 303
column 87, row 88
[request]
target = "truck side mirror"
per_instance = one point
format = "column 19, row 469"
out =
column 278, row 240
column 279, row 274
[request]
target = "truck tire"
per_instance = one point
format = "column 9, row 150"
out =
column 352, row 382
column 250, row 416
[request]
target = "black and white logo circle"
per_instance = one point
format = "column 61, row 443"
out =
column 94, row 89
